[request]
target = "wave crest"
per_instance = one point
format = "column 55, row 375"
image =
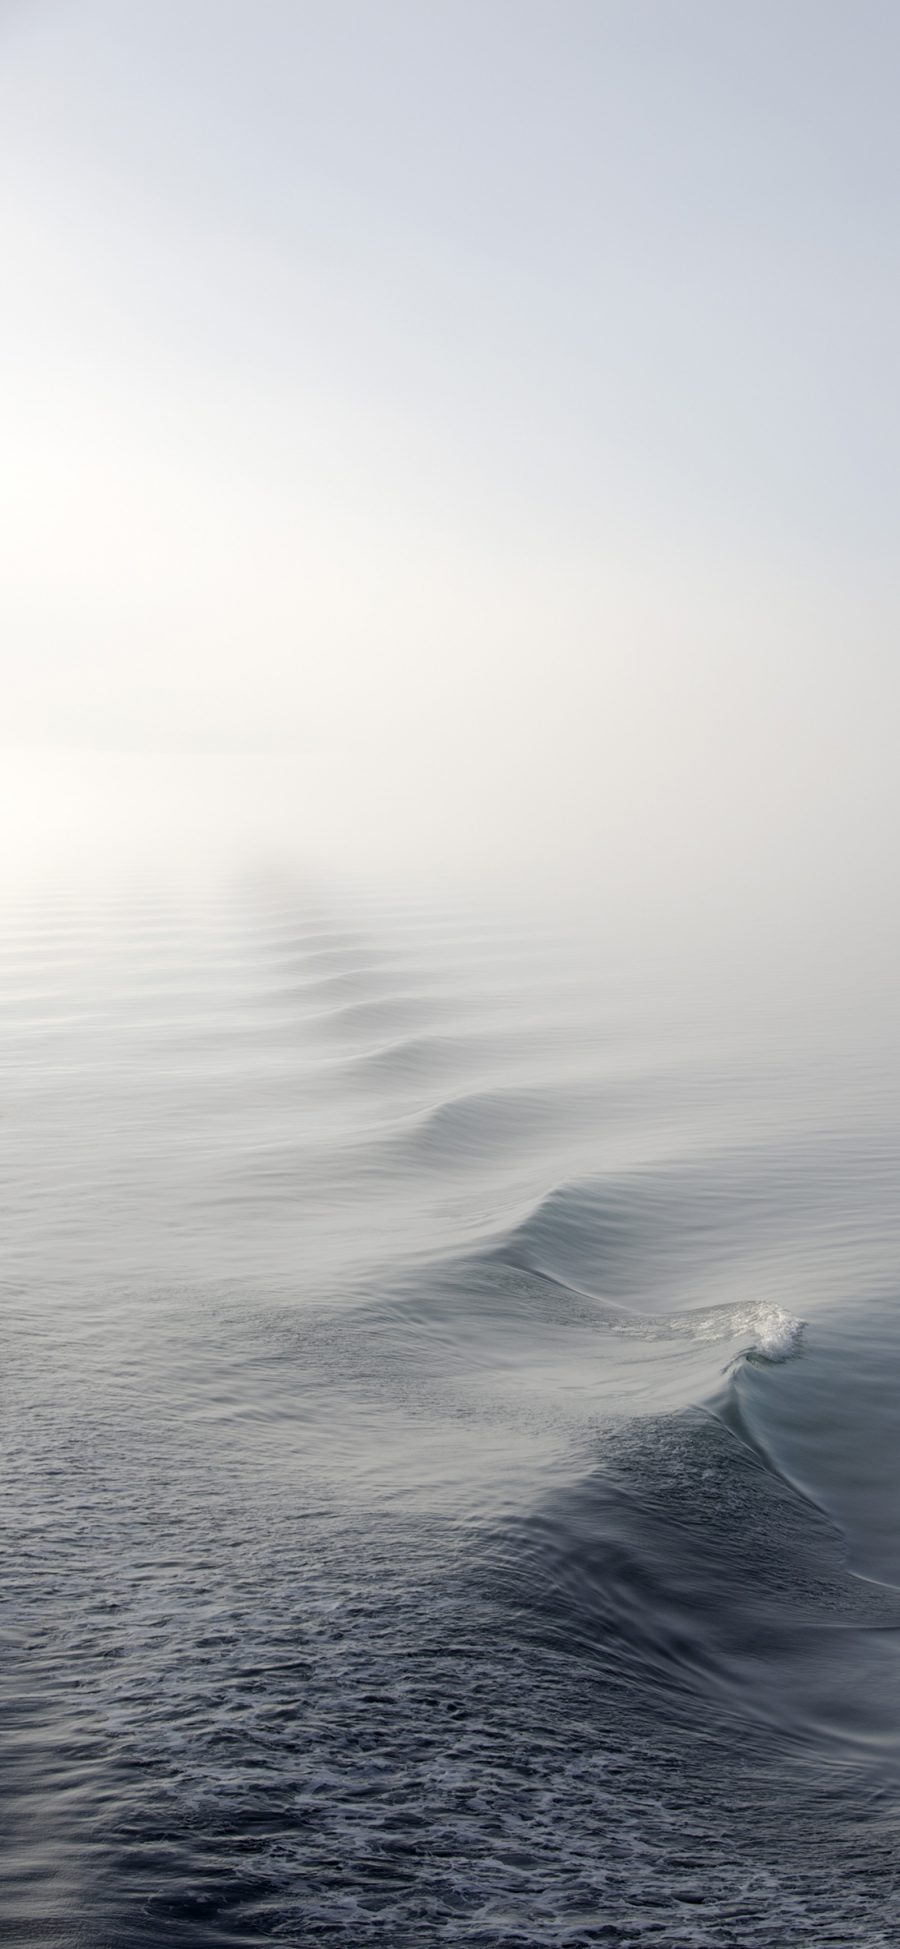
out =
column 775, row 1333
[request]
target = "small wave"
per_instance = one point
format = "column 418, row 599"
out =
column 393, row 1014
column 481, row 1120
column 410, row 1056
column 778, row 1333
column 628, row 1235
column 775, row 1333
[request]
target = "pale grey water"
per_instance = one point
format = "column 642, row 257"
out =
column 450, row 1427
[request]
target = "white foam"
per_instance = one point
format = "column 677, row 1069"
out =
column 774, row 1333
column 777, row 1333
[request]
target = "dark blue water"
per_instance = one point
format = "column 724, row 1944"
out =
column 450, row 1432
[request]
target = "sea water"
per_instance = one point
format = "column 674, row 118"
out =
column 450, row 1424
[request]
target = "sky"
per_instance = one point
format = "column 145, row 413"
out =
column 483, row 412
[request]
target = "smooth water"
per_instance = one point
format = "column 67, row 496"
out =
column 450, row 1412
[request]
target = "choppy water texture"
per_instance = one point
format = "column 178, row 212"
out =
column 450, row 1420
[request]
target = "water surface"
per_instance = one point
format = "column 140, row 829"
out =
column 450, row 1422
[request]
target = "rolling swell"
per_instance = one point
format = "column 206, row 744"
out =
column 426, row 1520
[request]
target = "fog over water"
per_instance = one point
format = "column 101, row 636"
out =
column 449, row 1251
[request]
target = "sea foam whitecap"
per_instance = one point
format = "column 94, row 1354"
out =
column 777, row 1333
column 774, row 1333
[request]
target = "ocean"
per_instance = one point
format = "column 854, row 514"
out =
column 450, row 1423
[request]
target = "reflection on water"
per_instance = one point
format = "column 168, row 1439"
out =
column 449, row 1419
